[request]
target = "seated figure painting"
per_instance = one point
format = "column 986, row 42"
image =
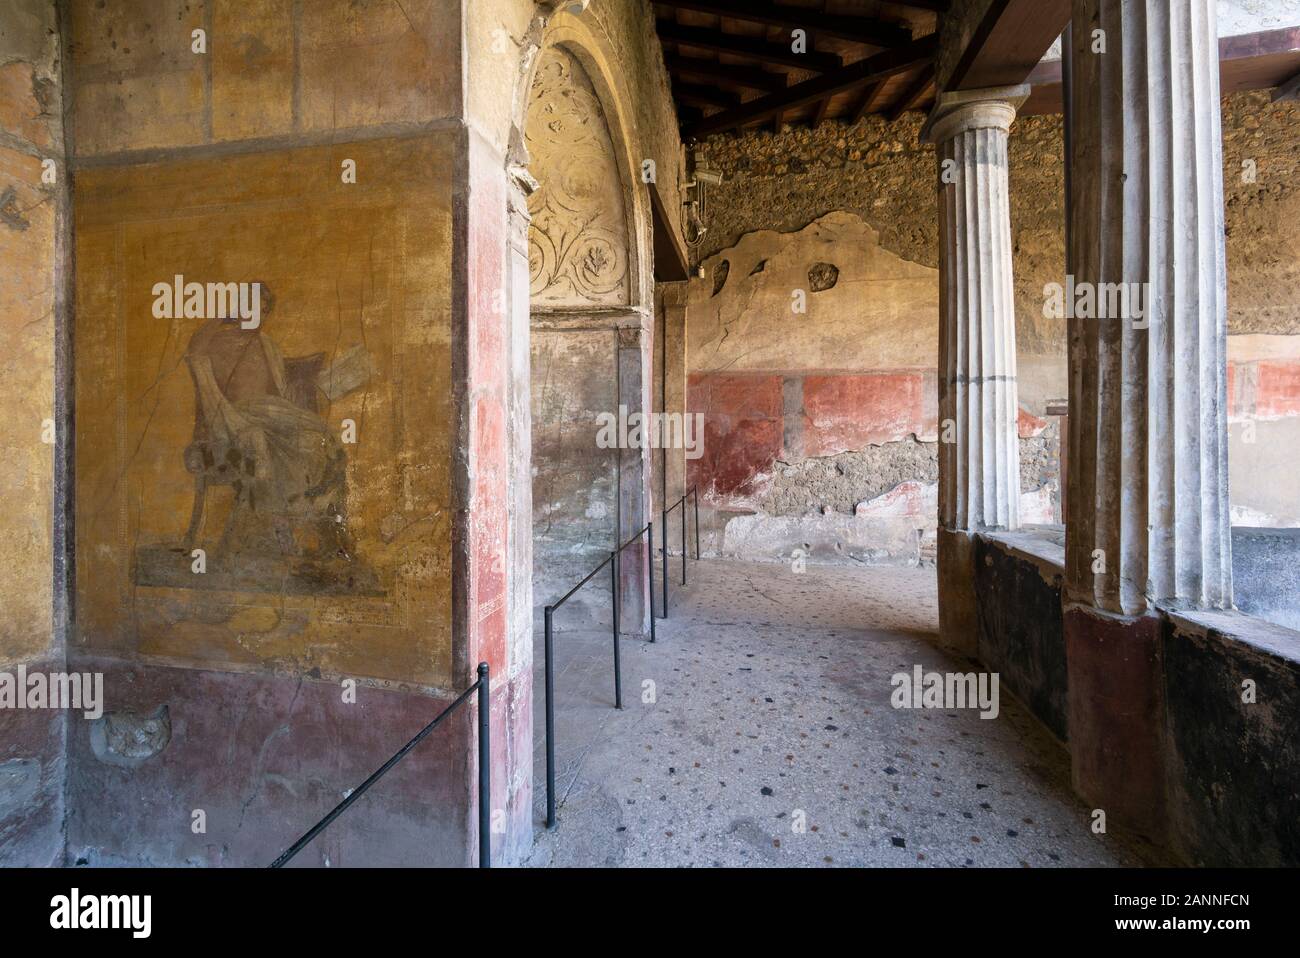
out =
column 258, row 432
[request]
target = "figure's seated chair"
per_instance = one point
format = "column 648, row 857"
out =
column 214, row 462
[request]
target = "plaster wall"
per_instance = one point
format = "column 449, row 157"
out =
column 33, row 284
column 31, row 211
column 361, row 306
column 325, row 507
column 1218, row 760
column 580, row 253
column 1233, row 765
column 207, row 141
column 591, row 325
column 575, row 483
column 274, row 68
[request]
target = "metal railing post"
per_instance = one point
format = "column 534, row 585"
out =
column 484, row 768
column 696, row 493
column 550, row 718
column 665, row 538
column 353, row 795
column 650, row 571
column 683, row 540
column 618, row 671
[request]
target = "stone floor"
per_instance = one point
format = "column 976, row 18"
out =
column 766, row 703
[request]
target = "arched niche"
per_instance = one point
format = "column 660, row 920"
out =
column 589, row 288
column 579, row 242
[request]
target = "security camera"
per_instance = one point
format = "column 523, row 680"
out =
column 709, row 177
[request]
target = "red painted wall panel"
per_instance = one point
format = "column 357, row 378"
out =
column 846, row 412
column 742, row 429
column 1278, row 392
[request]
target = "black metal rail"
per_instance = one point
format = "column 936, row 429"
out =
column 693, row 491
column 548, row 622
column 479, row 688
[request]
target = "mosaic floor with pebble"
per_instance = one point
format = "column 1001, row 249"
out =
column 765, row 705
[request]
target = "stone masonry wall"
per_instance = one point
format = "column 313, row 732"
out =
column 777, row 185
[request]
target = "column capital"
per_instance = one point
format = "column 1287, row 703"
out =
column 960, row 110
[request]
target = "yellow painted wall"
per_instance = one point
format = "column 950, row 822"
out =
column 362, row 268
column 138, row 84
column 27, row 401
column 29, row 124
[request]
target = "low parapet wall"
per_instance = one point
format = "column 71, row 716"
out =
column 1266, row 573
column 1179, row 725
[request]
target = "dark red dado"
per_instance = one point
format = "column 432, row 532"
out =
column 1116, row 716
column 263, row 757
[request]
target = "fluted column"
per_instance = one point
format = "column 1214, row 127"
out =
column 979, row 451
column 1148, row 498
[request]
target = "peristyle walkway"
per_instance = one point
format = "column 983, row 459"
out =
column 759, row 731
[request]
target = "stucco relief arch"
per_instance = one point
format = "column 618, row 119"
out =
column 580, row 37
column 582, row 298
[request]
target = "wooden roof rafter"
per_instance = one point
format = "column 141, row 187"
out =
column 731, row 58
column 764, row 51
column 750, row 78
column 866, row 30
column 873, row 69
column 921, row 88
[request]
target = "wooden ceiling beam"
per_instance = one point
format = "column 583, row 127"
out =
column 671, row 259
column 874, row 68
column 867, row 30
column 823, row 107
column 697, row 95
column 751, row 78
column 689, row 115
column 868, row 100
column 934, row 6
column 1251, row 61
column 752, row 47
column 914, row 95
column 1288, row 90
column 1008, row 43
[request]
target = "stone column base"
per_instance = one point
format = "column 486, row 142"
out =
column 958, row 608
column 1116, row 716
